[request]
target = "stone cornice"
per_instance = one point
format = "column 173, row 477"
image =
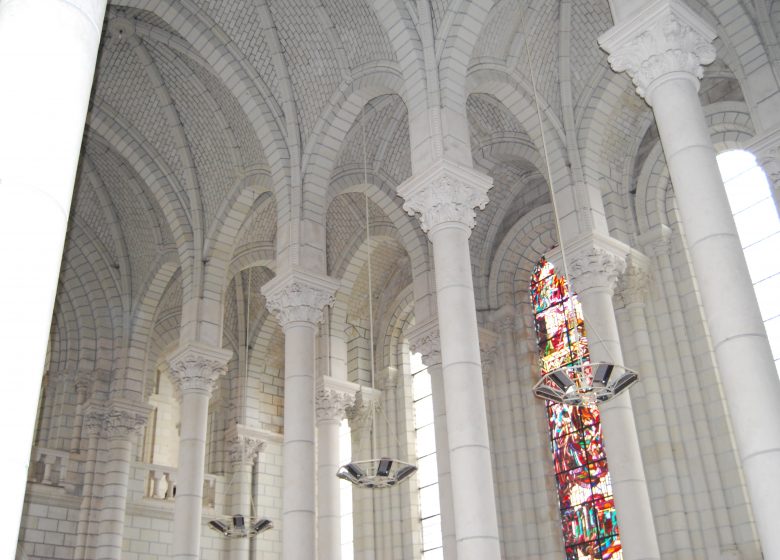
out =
column 196, row 368
column 664, row 37
column 445, row 193
column 299, row 296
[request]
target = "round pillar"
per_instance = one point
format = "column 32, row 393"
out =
column 662, row 49
column 445, row 195
column 47, row 60
column 331, row 410
column 594, row 273
column 297, row 299
column 194, row 371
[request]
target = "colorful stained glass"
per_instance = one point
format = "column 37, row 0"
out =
column 588, row 519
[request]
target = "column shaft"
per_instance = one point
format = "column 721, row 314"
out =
column 298, row 492
column 632, row 500
column 47, row 60
column 476, row 523
column 449, row 543
column 240, row 503
column 741, row 347
column 188, row 506
column 329, row 509
column 112, row 513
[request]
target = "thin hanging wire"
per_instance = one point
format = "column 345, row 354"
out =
column 245, row 396
column 556, row 216
column 370, row 293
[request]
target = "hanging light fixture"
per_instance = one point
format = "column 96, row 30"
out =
column 383, row 472
column 582, row 384
column 585, row 384
column 238, row 525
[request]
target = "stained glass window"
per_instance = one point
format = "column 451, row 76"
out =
column 590, row 528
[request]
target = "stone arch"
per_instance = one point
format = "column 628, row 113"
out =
column 331, row 130
column 198, row 29
column 517, row 254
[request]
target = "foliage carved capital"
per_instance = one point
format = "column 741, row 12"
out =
column 664, row 37
column 445, row 193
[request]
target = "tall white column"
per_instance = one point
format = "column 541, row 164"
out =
column 244, row 444
column 424, row 338
column 194, row 371
column 633, row 288
column 331, row 408
column 47, row 61
column 662, row 48
column 124, row 421
column 297, row 299
column 594, row 271
column 445, row 196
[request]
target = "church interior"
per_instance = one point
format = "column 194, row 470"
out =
column 311, row 238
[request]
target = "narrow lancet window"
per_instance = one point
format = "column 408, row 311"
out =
column 590, row 529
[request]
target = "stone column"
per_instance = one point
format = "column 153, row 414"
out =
column 297, row 299
column 662, row 48
column 445, row 196
column 424, row 338
column 594, row 271
column 331, row 405
column 94, row 419
column 47, row 61
column 194, row 370
column 633, row 288
column 123, row 422
column 244, row 445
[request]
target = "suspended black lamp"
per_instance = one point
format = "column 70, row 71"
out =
column 585, row 384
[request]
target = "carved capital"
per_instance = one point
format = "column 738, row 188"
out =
column 196, row 368
column 244, row 449
column 488, row 342
column 124, row 419
column 445, row 193
column 658, row 241
column 299, row 296
column 94, row 418
column 83, row 381
column 424, row 338
column 767, row 151
column 332, row 405
column 664, row 37
column 595, row 267
column 634, row 284
column 365, row 405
